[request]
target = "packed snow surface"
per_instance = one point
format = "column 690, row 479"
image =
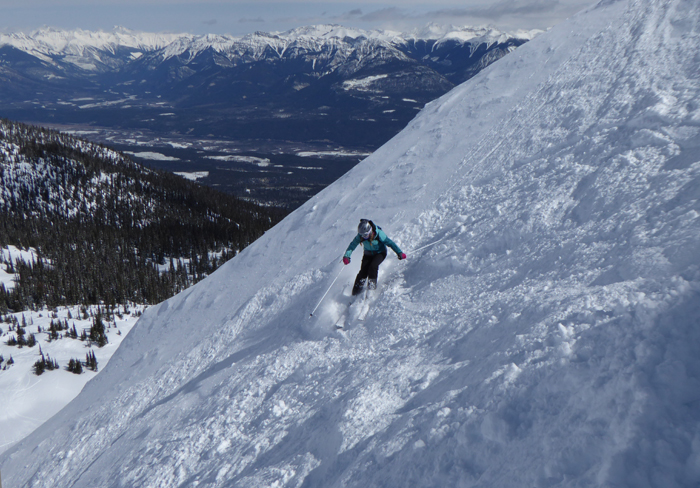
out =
column 544, row 330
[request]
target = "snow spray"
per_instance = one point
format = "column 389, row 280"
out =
column 324, row 296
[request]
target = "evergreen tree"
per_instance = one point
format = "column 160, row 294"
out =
column 53, row 332
column 97, row 331
column 44, row 364
column 20, row 337
column 75, row 366
column 72, row 332
column 91, row 361
column 40, row 366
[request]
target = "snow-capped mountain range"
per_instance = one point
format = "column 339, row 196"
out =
column 89, row 49
column 542, row 332
column 280, row 86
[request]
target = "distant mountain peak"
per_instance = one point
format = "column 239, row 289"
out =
column 53, row 41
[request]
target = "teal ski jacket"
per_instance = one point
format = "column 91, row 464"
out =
column 377, row 245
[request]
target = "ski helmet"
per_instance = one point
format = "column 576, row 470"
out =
column 364, row 229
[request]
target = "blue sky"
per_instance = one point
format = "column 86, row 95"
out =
column 239, row 18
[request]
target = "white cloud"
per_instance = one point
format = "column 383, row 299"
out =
column 243, row 17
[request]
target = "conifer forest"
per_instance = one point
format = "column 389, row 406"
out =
column 104, row 229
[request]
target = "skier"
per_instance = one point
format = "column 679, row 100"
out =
column 374, row 241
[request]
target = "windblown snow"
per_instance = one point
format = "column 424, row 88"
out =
column 542, row 332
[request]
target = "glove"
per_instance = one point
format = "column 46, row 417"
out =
column 346, row 260
column 401, row 256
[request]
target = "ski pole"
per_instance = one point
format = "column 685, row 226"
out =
column 324, row 295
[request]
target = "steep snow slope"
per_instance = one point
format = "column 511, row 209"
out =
column 547, row 336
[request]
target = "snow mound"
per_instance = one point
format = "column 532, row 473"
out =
column 543, row 331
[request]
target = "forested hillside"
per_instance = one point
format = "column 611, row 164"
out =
column 105, row 229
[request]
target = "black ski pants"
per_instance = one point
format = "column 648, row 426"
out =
column 369, row 269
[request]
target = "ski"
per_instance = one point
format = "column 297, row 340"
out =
column 357, row 309
column 343, row 318
column 340, row 323
column 364, row 306
column 349, row 312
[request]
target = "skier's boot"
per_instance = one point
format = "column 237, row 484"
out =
column 371, row 284
column 358, row 287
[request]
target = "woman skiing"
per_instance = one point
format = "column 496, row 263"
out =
column 374, row 241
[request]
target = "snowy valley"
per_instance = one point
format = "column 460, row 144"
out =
column 182, row 99
column 542, row 332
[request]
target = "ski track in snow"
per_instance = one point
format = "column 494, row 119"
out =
column 546, row 336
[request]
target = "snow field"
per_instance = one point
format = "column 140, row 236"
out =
column 152, row 156
column 542, row 332
column 29, row 400
column 193, row 175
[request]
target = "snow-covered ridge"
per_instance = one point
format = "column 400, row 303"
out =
column 476, row 35
column 313, row 38
column 83, row 47
column 52, row 192
column 87, row 50
column 50, row 41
